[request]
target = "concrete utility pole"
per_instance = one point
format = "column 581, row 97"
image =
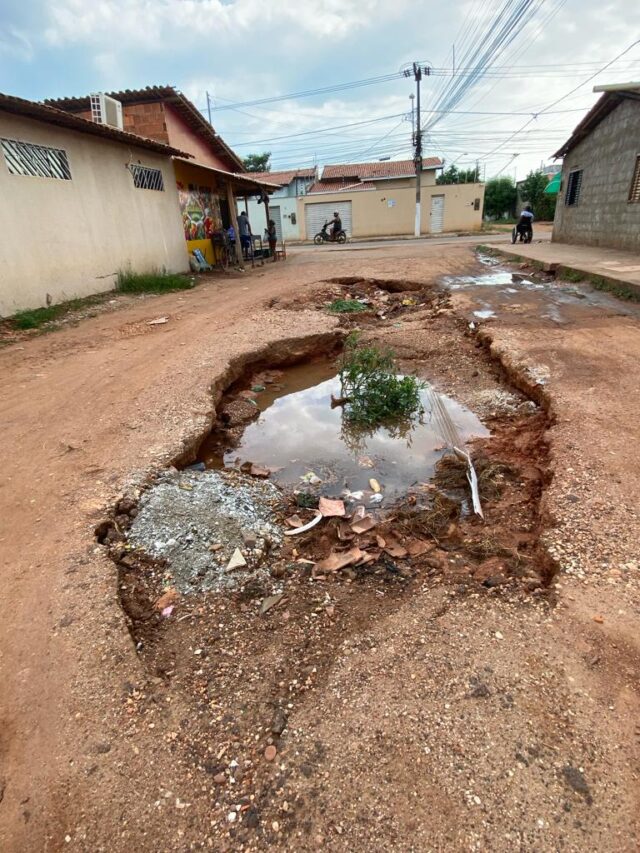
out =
column 208, row 106
column 417, row 70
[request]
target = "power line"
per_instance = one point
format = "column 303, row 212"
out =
column 559, row 100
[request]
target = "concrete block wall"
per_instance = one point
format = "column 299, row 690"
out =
column 603, row 215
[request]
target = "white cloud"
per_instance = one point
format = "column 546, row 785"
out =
column 15, row 43
column 155, row 26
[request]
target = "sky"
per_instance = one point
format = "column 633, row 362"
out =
column 507, row 72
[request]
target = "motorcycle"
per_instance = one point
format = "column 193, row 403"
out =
column 524, row 234
column 324, row 237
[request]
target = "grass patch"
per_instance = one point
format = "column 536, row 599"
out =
column 346, row 306
column 621, row 290
column 34, row 318
column 572, row 275
column 374, row 394
column 152, row 282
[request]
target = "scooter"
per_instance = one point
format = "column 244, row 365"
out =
column 525, row 235
column 324, row 237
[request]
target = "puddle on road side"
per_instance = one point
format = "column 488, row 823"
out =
column 298, row 432
column 484, row 314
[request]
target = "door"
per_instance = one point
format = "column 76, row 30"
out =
column 274, row 213
column 317, row 213
column 437, row 213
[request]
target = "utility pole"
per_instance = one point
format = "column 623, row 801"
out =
column 412, row 98
column 417, row 71
column 208, row 106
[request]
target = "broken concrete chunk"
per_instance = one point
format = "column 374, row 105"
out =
column 237, row 561
column 270, row 602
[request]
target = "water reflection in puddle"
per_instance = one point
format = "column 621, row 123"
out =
column 298, row 432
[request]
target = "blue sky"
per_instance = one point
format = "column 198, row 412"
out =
column 242, row 50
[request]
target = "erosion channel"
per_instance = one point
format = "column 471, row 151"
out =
column 241, row 615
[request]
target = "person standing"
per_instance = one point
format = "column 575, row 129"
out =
column 244, row 227
column 272, row 237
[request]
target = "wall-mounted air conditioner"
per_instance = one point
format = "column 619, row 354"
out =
column 106, row 110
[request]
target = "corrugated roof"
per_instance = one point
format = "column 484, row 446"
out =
column 247, row 178
column 340, row 186
column 60, row 118
column 385, row 169
column 286, row 176
column 151, row 94
column 612, row 96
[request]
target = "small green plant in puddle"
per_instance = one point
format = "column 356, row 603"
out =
column 346, row 306
column 153, row 282
column 372, row 392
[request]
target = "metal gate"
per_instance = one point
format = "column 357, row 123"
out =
column 437, row 213
column 316, row 214
column 274, row 213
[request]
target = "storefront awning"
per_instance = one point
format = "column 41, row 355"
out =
column 553, row 187
column 243, row 184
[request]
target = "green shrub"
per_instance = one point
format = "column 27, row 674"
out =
column 374, row 392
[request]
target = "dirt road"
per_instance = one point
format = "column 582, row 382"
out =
column 446, row 717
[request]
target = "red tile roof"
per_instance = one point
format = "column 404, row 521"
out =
column 384, row 169
column 189, row 112
column 60, row 118
column 286, row 176
column 340, row 186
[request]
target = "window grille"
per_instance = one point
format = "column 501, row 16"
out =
column 634, row 192
column 145, row 178
column 573, row 187
column 38, row 161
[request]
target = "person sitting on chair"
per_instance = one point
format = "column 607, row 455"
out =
column 525, row 223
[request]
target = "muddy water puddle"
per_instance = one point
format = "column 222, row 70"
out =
column 301, row 438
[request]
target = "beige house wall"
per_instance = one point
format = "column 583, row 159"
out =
column 66, row 239
column 388, row 213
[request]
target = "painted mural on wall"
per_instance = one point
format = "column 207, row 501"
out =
column 200, row 210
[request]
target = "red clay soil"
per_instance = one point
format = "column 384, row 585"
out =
column 437, row 717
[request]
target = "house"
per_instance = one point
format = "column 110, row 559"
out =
column 79, row 201
column 208, row 179
column 283, row 205
column 599, row 195
column 549, row 171
column 379, row 199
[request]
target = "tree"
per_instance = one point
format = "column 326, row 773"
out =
column 500, row 198
column 258, row 162
column 453, row 175
column 531, row 191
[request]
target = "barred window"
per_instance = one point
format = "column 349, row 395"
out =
column 38, row 161
column 146, row 178
column 574, row 185
column 634, row 191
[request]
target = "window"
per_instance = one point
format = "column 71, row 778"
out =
column 634, row 191
column 573, row 187
column 38, row 161
column 476, row 204
column 145, row 178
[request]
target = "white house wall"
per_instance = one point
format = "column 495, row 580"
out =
column 64, row 239
column 288, row 205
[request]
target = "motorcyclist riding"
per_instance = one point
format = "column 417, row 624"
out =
column 336, row 225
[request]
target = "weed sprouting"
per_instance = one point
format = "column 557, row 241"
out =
column 152, row 282
column 346, row 306
column 374, row 393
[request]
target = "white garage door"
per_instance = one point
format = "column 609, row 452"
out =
column 317, row 213
column 274, row 213
column 437, row 213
